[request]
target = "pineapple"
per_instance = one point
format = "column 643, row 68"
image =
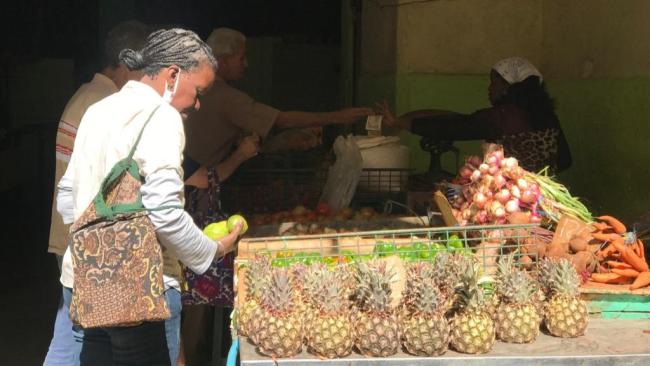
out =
column 256, row 278
column 425, row 328
column 276, row 326
column 329, row 333
column 472, row 327
column 447, row 269
column 375, row 323
column 517, row 318
column 566, row 315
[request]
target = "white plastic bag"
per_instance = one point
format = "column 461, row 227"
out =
column 343, row 175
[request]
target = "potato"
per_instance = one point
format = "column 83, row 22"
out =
column 578, row 244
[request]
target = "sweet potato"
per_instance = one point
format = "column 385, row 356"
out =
column 556, row 250
column 526, row 262
column 577, row 244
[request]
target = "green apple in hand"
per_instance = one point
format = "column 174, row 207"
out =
column 216, row 230
column 234, row 219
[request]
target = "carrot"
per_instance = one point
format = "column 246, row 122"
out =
column 618, row 226
column 642, row 280
column 619, row 265
column 629, row 257
column 613, row 278
column 639, row 243
column 605, row 237
column 626, row 272
column 601, row 226
column 635, row 249
column 607, row 251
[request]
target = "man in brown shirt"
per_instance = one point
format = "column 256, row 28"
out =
column 227, row 113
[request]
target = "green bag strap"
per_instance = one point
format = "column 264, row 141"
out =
column 125, row 165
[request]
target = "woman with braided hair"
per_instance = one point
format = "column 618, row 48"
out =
column 178, row 67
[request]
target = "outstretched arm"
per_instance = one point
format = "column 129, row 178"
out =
column 298, row 119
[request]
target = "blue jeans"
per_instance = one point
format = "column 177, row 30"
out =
column 140, row 345
column 65, row 346
column 155, row 343
column 173, row 324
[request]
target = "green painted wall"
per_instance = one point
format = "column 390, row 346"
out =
column 607, row 123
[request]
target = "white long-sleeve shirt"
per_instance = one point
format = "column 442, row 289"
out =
column 107, row 132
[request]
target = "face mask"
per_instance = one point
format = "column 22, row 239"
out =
column 169, row 95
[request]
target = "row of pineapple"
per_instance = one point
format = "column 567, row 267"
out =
column 445, row 302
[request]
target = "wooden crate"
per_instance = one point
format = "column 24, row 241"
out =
column 616, row 301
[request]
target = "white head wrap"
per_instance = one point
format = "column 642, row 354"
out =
column 516, row 69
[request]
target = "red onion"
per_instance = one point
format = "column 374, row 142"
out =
column 499, row 181
column 493, row 170
column 498, row 154
column 483, row 168
column 487, row 181
column 476, row 175
column 522, row 184
column 528, row 196
column 509, row 163
column 479, row 199
column 512, row 205
column 492, row 160
column 481, row 217
column 515, row 191
column 474, row 160
column 535, row 188
column 496, row 209
column 499, row 213
column 503, row 196
column 535, row 219
column 465, row 171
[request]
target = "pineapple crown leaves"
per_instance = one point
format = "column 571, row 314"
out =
column 565, row 280
column 257, row 276
column 327, row 290
column 416, row 274
column 506, row 266
column 278, row 296
column 513, row 284
column 427, row 298
column 373, row 292
column 545, row 274
column 471, row 293
column 518, row 287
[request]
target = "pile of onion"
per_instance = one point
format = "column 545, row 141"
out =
column 494, row 188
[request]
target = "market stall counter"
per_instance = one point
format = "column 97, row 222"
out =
column 607, row 342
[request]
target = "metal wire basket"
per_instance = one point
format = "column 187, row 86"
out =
column 487, row 242
column 271, row 190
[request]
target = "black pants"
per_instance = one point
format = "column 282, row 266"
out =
column 141, row 345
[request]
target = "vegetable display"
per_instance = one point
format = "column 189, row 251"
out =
column 494, row 189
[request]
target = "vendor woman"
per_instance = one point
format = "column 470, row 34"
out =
column 522, row 118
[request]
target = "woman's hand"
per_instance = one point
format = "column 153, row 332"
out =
column 248, row 147
column 229, row 242
column 386, row 113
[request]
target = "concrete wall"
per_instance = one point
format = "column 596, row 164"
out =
column 596, row 63
column 436, row 36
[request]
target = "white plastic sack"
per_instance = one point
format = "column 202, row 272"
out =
column 343, row 175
